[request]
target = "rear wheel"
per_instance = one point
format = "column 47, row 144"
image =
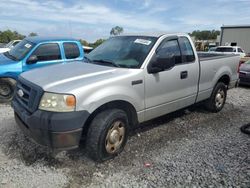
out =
column 7, row 87
column 218, row 98
column 107, row 134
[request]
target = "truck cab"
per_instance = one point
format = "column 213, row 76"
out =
column 31, row 53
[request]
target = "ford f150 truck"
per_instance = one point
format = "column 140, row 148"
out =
column 127, row 80
column 34, row 52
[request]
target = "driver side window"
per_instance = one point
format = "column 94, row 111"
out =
column 170, row 48
column 48, row 52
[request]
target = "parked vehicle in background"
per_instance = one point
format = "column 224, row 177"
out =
column 244, row 74
column 2, row 45
column 231, row 50
column 9, row 46
column 212, row 49
column 31, row 53
column 87, row 49
column 127, row 80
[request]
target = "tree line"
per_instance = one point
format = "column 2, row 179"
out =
column 205, row 34
column 8, row 35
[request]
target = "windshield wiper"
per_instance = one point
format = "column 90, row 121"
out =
column 10, row 56
column 88, row 60
column 106, row 62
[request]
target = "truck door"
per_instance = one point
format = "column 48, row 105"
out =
column 175, row 87
column 43, row 55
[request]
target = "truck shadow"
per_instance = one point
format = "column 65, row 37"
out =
column 161, row 121
column 20, row 147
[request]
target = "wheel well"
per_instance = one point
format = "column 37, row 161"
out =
column 119, row 104
column 12, row 80
column 225, row 79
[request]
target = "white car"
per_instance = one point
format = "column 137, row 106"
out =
column 231, row 50
column 8, row 46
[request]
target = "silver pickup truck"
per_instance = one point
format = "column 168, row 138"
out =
column 125, row 81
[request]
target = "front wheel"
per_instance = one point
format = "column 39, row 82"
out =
column 7, row 87
column 218, row 98
column 107, row 134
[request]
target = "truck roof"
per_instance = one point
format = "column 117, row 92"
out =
column 152, row 34
column 47, row 39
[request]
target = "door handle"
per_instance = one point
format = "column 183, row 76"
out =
column 184, row 74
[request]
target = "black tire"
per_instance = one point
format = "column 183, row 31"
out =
column 245, row 129
column 212, row 103
column 101, row 128
column 7, row 87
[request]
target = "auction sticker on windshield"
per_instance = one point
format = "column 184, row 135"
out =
column 27, row 45
column 142, row 41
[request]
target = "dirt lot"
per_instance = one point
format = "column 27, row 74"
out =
column 190, row 148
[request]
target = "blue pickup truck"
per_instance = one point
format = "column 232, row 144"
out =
column 34, row 52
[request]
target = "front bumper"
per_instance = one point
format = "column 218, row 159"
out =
column 56, row 130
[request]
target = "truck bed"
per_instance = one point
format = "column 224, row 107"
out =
column 211, row 69
column 203, row 56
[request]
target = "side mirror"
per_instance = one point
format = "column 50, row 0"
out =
column 161, row 63
column 32, row 59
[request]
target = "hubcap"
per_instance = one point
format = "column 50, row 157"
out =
column 5, row 90
column 219, row 98
column 115, row 137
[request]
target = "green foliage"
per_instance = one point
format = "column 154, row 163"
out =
column 32, row 34
column 8, row 35
column 117, row 30
column 205, row 35
column 97, row 43
column 84, row 42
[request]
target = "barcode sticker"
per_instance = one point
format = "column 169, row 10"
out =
column 27, row 45
column 143, row 41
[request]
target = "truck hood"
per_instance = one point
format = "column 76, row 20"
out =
column 9, row 67
column 5, row 60
column 65, row 78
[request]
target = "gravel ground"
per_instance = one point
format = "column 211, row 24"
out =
column 189, row 148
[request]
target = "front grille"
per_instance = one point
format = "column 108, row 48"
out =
column 28, row 95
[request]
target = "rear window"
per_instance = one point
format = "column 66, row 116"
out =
column 71, row 50
column 224, row 49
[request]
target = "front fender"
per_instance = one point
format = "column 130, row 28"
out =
column 134, row 96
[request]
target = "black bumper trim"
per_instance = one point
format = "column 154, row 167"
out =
column 54, row 140
column 57, row 130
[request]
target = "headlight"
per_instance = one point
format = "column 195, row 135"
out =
column 57, row 102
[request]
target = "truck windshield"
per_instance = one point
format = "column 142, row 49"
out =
column 122, row 51
column 20, row 50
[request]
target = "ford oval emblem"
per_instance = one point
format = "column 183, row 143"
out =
column 20, row 93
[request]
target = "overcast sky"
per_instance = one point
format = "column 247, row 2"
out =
column 93, row 19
